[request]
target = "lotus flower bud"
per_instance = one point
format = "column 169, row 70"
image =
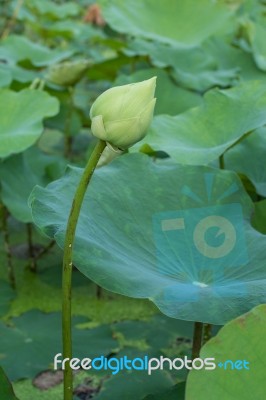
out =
column 67, row 73
column 121, row 115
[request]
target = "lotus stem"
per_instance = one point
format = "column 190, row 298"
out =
column 197, row 339
column 10, row 267
column 67, row 264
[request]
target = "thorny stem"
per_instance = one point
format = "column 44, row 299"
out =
column 10, row 267
column 197, row 339
column 67, row 264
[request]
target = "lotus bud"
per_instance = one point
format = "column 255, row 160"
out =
column 67, row 73
column 122, row 115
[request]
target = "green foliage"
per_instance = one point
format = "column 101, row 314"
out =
column 202, row 134
column 56, row 58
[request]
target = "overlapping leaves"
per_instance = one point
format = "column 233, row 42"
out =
column 144, row 19
column 202, row 134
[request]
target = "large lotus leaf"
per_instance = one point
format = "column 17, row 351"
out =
column 21, row 115
column 30, row 345
column 242, row 339
column 6, row 390
column 202, row 134
column 171, row 99
column 18, row 176
column 193, row 68
column 140, row 234
column 167, row 20
column 19, row 48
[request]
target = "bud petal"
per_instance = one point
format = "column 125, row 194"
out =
column 122, row 115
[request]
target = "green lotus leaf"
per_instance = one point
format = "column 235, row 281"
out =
column 242, row 339
column 167, row 21
column 202, row 134
column 56, row 11
column 140, row 234
column 5, row 76
column 18, row 176
column 193, row 68
column 21, row 116
column 19, row 48
column 6, row 389
column 248, row 157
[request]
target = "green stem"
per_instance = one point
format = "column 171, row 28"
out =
column 67, row 264
column 33, row 262
column 10, row 267
column 207, row 333
column 68, row 139
column 197, row 339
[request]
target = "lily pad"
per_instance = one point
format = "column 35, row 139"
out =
column 159, row 20
column 177, row 392
column 129, row 249
column 134, row 385
column 242, row 339
column 35, row 339
column 248, row 157
column 21, row 115
column 202, row 134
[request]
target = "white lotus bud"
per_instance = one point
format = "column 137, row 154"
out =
column 122, row 115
